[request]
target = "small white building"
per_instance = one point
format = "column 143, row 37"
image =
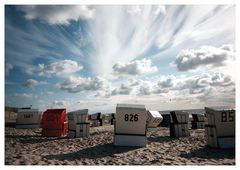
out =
column 28, row 118
column 130, row 125
column 154, row 118
column 78, row 125
column 220, row 129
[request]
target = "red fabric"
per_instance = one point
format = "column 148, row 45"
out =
column 89, row 117
column 65, row 128
column 54, row 122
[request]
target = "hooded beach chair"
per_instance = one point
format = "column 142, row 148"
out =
column 54, row 123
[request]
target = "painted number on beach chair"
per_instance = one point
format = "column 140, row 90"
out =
column 27, row 115
column 131, row 117
column 227, row 116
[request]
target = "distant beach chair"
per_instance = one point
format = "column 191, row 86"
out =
column 220, row 129
column 28, row 118
column 10, row 116
column 154, row 118
column 198, row 121
column 166, row 120
column 78, row 125
column 96, row 119
column 112, row 118
column 179, row 124
column 54, row 123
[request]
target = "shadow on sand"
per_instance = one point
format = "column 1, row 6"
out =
column 161, row 139
column 207, row 152
column 32, row 139
column 98, row 151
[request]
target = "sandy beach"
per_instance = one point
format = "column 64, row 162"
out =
column 28, row 147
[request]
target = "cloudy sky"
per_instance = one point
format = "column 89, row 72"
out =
column 163, row 56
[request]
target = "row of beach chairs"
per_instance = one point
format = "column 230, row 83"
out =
column 130, row 128
column 131, row 123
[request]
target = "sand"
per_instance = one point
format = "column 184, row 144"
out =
column 28, row 147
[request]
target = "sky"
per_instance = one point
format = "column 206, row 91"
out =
column 166, row 57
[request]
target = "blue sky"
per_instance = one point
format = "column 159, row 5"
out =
column 77, row 56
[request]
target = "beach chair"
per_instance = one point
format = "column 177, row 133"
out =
column 28, row 118
column 96, row 119
column 54, row 123
column 179, row 124
column 112, row 118
column 220, row 129
column 130, row 125
column 78, row 125
column 166, row 120
column 154, row 118
column 198, row 121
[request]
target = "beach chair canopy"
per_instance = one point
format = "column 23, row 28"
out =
column 154, row 118
column 198, row 117
column 53, row 118
column 223, row 120
column 179, row 117
column 28, row 117
column 131, row 119
column 78, row 116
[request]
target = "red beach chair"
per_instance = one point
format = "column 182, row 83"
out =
column 54, row 123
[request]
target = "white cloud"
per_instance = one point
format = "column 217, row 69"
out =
column 127, row 31
column 166, row 81
column 160, row 10
column 80, row 84
column 203, row 23
column 206, row 55
column 57, row 14
column 219, row 79
column 164, row 84
column 60, row 67
column 124, row 89
column 32, row 83
column 35, row 42
column 8, row 68
column 135, row 10
column 145, row 90
column 28, row 69
column 171, row 85
column 204, row 82
column 25, row 95
column 49, row 93
column 116, row 35
column 137, row 67
column 153, row 32
column 59, row 103
column 197, row 25
column 213, row 97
